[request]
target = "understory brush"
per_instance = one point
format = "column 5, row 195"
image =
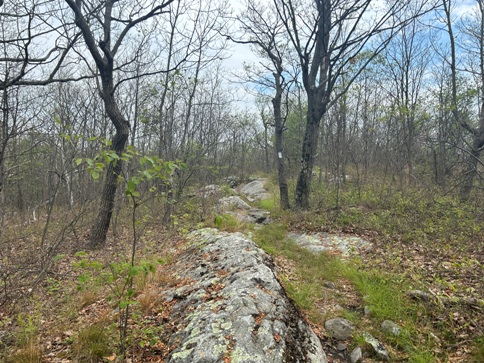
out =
column 421, row 241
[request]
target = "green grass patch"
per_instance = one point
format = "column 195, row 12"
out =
column 270, row 204
column 227, row 222
column 381, row 293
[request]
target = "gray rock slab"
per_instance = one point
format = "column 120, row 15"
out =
column 339, row 328
column 235, row 308
column 259, row 216
column 255, row 190
column 231, row 203
column 324, row 242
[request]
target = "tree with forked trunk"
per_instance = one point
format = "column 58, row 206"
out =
column 110, row 22
column 327, row 36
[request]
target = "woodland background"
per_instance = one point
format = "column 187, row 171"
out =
column 108, row 107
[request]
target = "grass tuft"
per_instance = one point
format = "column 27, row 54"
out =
column 92, row 344
column 29, row 353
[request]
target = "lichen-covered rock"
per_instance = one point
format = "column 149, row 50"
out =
column 210, row 190
column 390, row 327
column 325, row 242
column 379, row 349
column 243, row 212
column 235, row 309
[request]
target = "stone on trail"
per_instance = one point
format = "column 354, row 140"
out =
column 356, row 355
column 390, row 327
column 379, row 349
column 235, row 206
column 339, row 328
column 210, row 190
column 235, row 309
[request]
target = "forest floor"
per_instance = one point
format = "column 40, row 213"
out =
column 71, row 308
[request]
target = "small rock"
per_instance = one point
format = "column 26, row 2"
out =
column 341, row 347
column 259, row 216
column 367, row 310
column 419, row 295
column 232, row 181
column 377, row 346
column 390, row 327
column 329, row 285
column 339, row 328
column 356, row 355
column 338, row 307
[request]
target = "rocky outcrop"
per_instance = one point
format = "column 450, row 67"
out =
column 231, row 203
column 235, row 206
column 234, row 309
column 325, row 242
column 254, row 190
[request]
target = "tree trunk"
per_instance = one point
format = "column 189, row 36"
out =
column 101, row 224
column 279, row 130
column 309, row 151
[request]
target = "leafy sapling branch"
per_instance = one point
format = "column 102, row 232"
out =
column 151, row 177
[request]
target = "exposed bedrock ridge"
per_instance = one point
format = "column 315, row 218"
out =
column 235, row 309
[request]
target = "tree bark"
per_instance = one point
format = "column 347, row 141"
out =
column 101, row 224
column 105, row 65
column 309, row 151
column 279, row 130
column 315, row 76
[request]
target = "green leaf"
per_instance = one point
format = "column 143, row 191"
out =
column 147, row 175
column 83, row 279
column 59, row 257
column 78, row 161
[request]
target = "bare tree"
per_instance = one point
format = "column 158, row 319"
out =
column 327, row 36
column 408, row 58
column 263, row 28
column 23, row 63
column 476, row 32
column 110, row 22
